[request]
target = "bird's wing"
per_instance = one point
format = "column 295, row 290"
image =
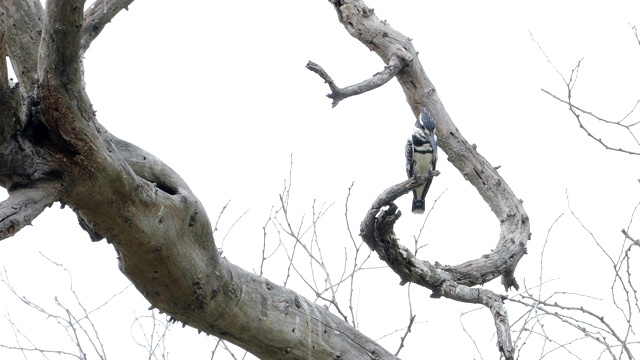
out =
column 408, row 153
column 434, row 160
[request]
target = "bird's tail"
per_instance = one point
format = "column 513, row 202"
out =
column 418, row 206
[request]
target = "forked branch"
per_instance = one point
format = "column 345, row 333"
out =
column 396, row 63
column 578, row 112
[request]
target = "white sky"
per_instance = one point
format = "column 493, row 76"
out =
column 218, row 90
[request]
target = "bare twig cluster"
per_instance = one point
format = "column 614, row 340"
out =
column 299, row 239
column 581, row 316
column 73, row 319
column 150, row 332
column 228, row 349
column 626, row 122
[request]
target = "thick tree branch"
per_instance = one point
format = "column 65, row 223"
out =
column 158, row 227
column 362, row 23
column 24, row 205
column 22, row 21
column 377, row 231
column 397, row 62
column 97, row 16
column 59, row 56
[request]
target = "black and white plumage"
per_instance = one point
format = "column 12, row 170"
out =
column 421, row 152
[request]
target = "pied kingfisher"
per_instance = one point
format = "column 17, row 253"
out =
column 421, row 152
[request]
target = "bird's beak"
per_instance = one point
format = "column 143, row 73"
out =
column 432, row 140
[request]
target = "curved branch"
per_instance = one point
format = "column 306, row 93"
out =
column 377, row 231
column 362, row 23
column 23, row 206
column 158, row 227
column 164, row 239
column 97, row 16
column 397, row 62
column 150, row 168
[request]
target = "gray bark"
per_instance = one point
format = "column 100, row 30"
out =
column 453, row 282
column 53, row 149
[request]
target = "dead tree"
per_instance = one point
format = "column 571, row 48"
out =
column 53, row 149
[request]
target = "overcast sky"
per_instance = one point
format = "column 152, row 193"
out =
column 219, row 91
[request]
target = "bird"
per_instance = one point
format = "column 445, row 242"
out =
column 421, row 152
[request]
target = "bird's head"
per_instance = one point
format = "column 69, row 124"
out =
column 425, row 129
column 426, row 122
